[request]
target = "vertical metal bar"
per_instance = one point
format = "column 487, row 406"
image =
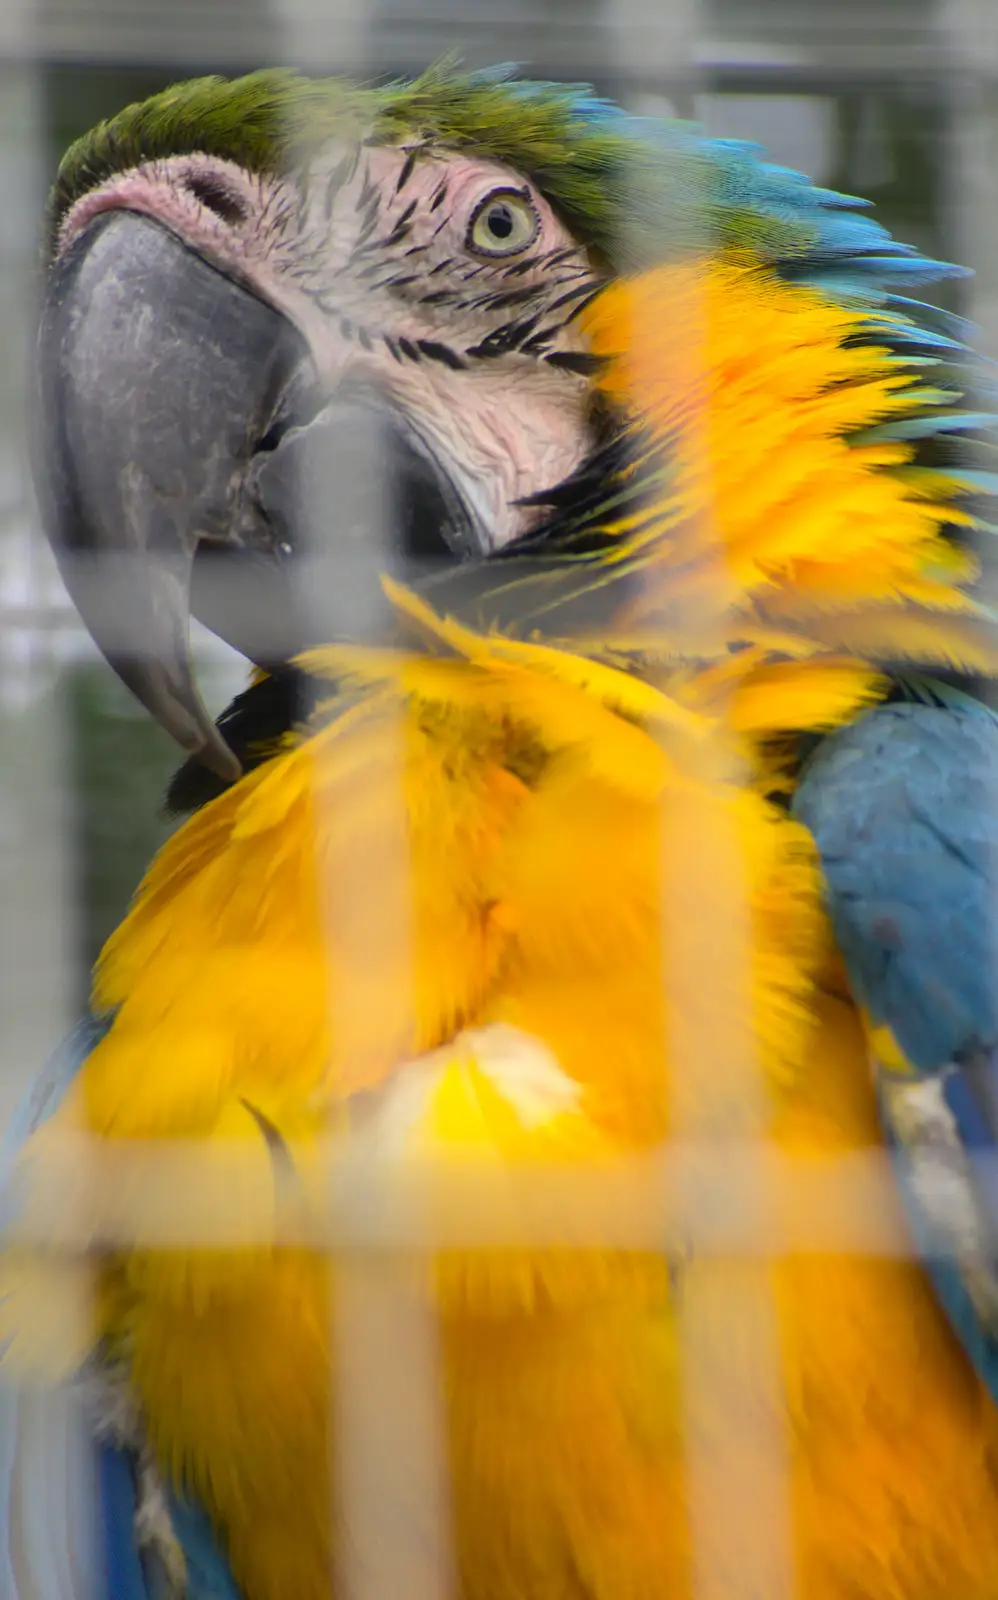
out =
column 46, row 1504
column 390, row 1527
column 732, row 1380
column 38, row 931
column 736, row 1466
column 393, row 1529
column 970, row 188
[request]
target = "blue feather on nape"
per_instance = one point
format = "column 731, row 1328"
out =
column 945, row 322
column 585, row 105
column 819, row 237
column 809, row 234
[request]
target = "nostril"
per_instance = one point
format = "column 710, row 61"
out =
column 216, row 195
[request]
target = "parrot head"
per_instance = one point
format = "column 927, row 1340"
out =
column 269, row 297
column 298, row 329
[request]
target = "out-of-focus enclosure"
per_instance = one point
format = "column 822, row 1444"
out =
column 896, row 100
column 893, row 100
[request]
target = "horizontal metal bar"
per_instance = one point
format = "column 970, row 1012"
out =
column 79, row 1195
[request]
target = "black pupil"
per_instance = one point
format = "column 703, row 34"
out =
column 500, row 221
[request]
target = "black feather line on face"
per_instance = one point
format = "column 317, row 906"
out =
column 570, row 252
column 436, row 351
column 400, row 283
column 501, row 299
column 505, row 339
column 408, row 168
column 494, row 344
column 402, row 228
column 578, row 361
column 537, row 344
column 584, row 293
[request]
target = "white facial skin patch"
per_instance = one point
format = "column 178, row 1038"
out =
column 445, row 282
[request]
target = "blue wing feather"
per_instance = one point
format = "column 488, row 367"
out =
column 902, row 808
column 67, row 1508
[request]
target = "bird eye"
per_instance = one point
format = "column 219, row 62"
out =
column 503, row 224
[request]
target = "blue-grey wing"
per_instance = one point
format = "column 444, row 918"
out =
column 903, row 806
column 67, row 1505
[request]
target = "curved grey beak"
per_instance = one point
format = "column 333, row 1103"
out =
column 158, row 378
column 179, row 416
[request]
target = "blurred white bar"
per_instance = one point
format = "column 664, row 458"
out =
column 889, row 37
column 44, row 1449
column 37, row 929
column 731, row 1363
column 393, row 1526
column 734, row 1197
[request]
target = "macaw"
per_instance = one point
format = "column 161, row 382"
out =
column 602, row 810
